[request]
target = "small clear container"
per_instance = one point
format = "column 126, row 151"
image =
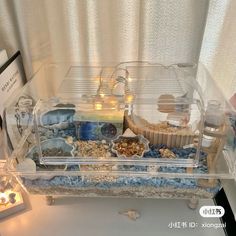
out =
column 214, row 116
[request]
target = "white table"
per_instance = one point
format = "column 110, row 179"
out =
column 73, row 216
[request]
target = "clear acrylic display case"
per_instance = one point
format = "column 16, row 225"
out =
column 135, row 130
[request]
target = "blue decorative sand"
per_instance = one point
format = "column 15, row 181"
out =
column 129, row 186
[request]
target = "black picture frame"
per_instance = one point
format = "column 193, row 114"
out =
column 16, row 56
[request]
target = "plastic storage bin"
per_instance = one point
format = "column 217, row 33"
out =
column 134, row 130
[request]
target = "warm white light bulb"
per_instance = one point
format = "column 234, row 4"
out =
column 129, row 97
column 113, row 101
column 3, row 199
column 98, row 106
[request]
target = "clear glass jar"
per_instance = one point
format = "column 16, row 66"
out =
column 214, row 114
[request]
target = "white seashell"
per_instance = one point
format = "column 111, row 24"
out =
column 131, row 214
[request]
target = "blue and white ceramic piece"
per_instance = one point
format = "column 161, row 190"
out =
column 57, row 143
column 58, row 121
column 57, row 116
column 97, row 130
column 50, row 144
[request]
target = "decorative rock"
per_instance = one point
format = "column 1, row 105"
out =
column 12, row 198
column 103, row 141
column 26, row 165
column 166, row 153
column 69, row 140
column 129, row 133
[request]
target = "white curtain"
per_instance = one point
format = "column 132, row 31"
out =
column 218, row 51
column 111, row 31
column 102, row 31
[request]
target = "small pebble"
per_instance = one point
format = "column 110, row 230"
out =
column 69, row 140
column 167, row 153
column 131, row 214
column 92, row 149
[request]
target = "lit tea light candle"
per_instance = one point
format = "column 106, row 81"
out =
column 10, row 203
column 3, row 199
column 103, row 89
column 98, row 103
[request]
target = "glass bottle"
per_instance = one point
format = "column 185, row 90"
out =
column 213, row 120
column 214, row 114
